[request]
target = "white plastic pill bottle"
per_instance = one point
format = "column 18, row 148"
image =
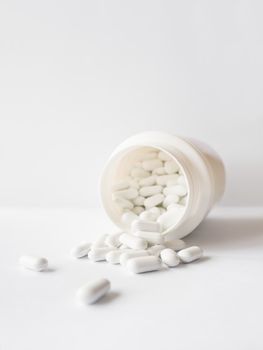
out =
column 201, row 166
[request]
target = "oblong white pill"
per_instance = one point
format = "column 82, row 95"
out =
column 139, row 201
column 139, row 173
column 175, row 244
column 128, row 217
column 151, row 237
column 93, row 291
column 124, row 257
column 169, row 257
column 133, row 242
column 143, row 225
column 148, row 216
column 80, row 250
column 34, row 263
column 123, row 203
column 121, row 185
column 148, row 181
column 129, row 193
column 156, row 249
column 153, row 201
column 152, row 164
column 163, row 179
column 113, row 240
column 190, row 254
column 171, row 167
column 150, row 190
column 159, row 171
column 171, row 217
column 170, row 199
column 179, row 190
column 113, row 257
column 144, row 264
column 98, row 254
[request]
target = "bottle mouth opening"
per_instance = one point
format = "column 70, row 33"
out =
column 118, row 168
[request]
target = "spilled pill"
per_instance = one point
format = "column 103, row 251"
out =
column 190, row 254
column 144, row 264
column 132, row 241
column 93, row 291
column 34, row 263
column 169, row 257
column 80, row 250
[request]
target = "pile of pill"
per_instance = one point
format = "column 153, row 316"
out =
column 145, row 250
column 155, row 190
column 151, row 200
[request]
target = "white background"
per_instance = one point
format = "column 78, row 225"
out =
column 78, row 77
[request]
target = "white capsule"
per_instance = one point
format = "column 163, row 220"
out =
column 144, row 264
column 139, row 173
column 171, row 217
column 148, row 191
column 99, row 241
column 123, row 203
column 163, row 179
column 128, row 217
column 143, row 225
column 151, row 164
column 98, row 254
column 164, row 156
column 153, row 201
column 156, row 249
column 179, row 190
column 151, row 237
column 169, row 199
column 148, row 216
column 175, row 244
column 155, row 210
column 124, row 257
column 132, row 241
column 159, row 171
column 93, row 291
column 169, row 257
column 171, row 167
column 34, row 263
column 113, row 240
column 148, row 181
column 174, row 205
column 138, row 210
column 113, row 257
column 190, row 254
column 129, row 193
column 139, row 201
column 121, row 185
column 80, row 250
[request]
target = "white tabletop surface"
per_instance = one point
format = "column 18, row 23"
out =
column 215, row 303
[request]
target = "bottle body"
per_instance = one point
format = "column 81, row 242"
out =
column 201, row 165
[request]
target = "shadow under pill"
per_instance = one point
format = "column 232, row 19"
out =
column 108, row 298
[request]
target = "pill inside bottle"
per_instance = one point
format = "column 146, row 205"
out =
column 162, row 178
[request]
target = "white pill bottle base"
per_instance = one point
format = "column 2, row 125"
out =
column 201, row 165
